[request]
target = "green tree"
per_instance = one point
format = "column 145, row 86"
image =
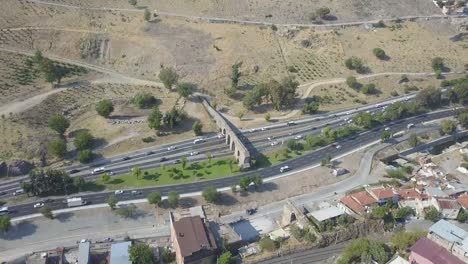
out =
column 46, row 211
column 84, row 140
column 59, row 123
column 244, row 183
column 38, row 57
column 210, row 194
column 462, row 216
column 297, row 232
column 226, row 258
column 197, row 128
column 403, row 212
column 154, row 118
column 267, row 117
column 405, row 239
column 363, row 119
column 448, row 126
column 5, row 223
column 210, row 157
column 385, row 136
column 438, row 64
column 184, row 162
column 136, row 172
column 310, row 108
column 293, row 145
column 169, row 77
column 282, row 95
column 362, row 251
column 352, row 82
column 257, row 180
column 85, row 156
column 369, row 89
column 141, row 254
column 185, row 89
column 174, row 117
column 463, row 119
column 429, row 97
column 413, row 140
column 240, row 114
column 112, row 201
column 355, row 63
column 345, row 220
column 144, row 100
column 235, row 75
column 432, row 214
column 379, row 212
column 173, row 199
column 104, row 108
column 79, row 182
column 105, row 177
column 154, row 198
column 461, row 92
column 267, row 244
column 379, row 53
column 147, row 15
column 58, row 147
column 323, row 12
column 326, row 160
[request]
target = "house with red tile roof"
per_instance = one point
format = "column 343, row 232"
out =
column 425, row 251
column 448, row 207
column 383, row 194
column 463, row 201
column 357, row 203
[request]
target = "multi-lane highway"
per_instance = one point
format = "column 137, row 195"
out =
column 305, row 160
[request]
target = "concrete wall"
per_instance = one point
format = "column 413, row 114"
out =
column 241, row 153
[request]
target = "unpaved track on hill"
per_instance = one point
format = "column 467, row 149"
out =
column 239, row 21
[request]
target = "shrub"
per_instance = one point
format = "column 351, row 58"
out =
column 267, row 244
column 379, row 53
column 352, row 82
column 59, row 123
column 210, row 194
column 58, row 147
column 369, row 89
column 104, row 108
column 84, row 140
column 355, row 63
column 148, row 139
column 144, row 100
column 438, row 64
column 323, row 12
column 85, row 156
column 292, row 69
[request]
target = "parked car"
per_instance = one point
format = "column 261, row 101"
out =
column 150, row 153
column 291, row 123
column 177, row 161
column 126, row 158
column 118, row 192
column 194, row 153
column 74, row 171
column 298, row 137
column 274, row 143
column 135, row 193
column 171, row 148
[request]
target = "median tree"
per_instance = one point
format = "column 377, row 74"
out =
column 136, row 172
column 169, row 77
column 197, row 128
column 46, row 211
column 58, row 123
column 184, row 162
column 173, row 199
column 385, row 136
column 413, row 140
column 105, row 177
column 154, row 198
column 244, row 183
column 210, row 194
column 141, row 254
column 58, row 147
column 154, row 118
column 79, row 182
column 463, row 119
column 429, row 97
column 112, row 201
column 104, row 108
column 448, row 126
column 5, row 223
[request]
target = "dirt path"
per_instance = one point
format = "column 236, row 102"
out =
column 20, row 106
column 243, row 22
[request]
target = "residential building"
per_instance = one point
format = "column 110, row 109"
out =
column 382, row 195
column 448, row 208
column 192, row 240
column 425, row 251
column 83, row 252
column 435, row 192
column 451, row 237
column 357, row 203
column 330, row 213
column 119, row 253
column 463, row 201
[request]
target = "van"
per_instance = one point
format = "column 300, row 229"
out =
column 18, row 192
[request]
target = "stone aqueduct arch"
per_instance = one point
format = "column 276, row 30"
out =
column 241, row 153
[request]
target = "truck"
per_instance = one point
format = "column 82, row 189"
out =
column 76, row 201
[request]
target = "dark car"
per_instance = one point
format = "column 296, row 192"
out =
column 74, row 171
column 162, row 159
column 150, row 152
column 176, row 161
column 2, row 193
column 126, row 158
column 251, row 211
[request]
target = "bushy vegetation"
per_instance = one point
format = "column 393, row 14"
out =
column 48, row 182
column 355, row 63
column 379, row 53
column 104, row 108
column 169, row 77
column 280, row 94
column 144, row 100
column 363, row 250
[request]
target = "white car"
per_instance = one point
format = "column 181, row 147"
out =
column 338, row 146
column 117, row 192
column 387, row 129
column 193, row 153
column 284, row 168
column 298, row 137
column 171, row 148
column 264, row 128
column 252, row 130
column 38, row 205
column 270, row 138
column 410, row 125
column 220, row 135
column 274, row 143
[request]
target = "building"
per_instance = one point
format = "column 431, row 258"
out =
column 83, row 253
column 435, row 192
column 119, row 253
column 463, row 201
column 448, row 208
column 330, row 213
column 192, row 240
column 451, row 237
column 425, row 251
column 397, row 260
column 357, row 203
column 382, row 195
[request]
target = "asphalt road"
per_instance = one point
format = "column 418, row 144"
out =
column 308, row 256
column 297, row 163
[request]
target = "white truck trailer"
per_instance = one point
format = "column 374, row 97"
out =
column 76, row 201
